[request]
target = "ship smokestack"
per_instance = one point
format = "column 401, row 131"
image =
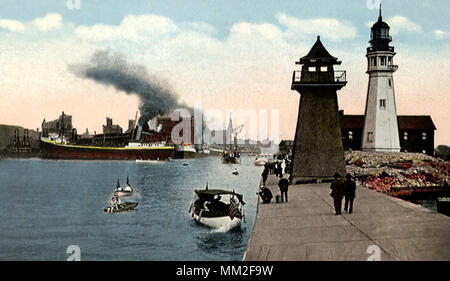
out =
column 138, row 133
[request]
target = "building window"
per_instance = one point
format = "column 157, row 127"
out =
column 374, row 61
column 370, row 137
column 389, row 60
column 350, row 135
column 405, row 135
column 390, row 82
column 424, row 136
column 382, row 103
column 382, row 60
column 324, row 68
column 312, row 69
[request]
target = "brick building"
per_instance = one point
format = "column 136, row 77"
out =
column 416, row 132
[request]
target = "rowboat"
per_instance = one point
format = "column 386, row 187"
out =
column 122, row 207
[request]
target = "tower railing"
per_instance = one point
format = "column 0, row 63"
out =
column 393, row 67
column 340, row 76
column 390, row 49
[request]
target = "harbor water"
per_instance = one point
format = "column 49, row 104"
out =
column 49, row 205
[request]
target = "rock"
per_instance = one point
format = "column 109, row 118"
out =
column 383, row 171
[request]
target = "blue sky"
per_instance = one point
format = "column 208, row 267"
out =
column 430, row 14
column 226, row 54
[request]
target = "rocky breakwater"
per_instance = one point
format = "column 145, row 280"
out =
column 400, row 174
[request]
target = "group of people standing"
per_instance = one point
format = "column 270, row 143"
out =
column 283, row 183
column 281, row 165
column 341, row 189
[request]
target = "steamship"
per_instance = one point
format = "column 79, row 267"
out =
column 57, row 148
column 60, row 141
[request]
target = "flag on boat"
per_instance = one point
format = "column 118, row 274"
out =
column 128, row 182
column 233, row 209
column 118, row 183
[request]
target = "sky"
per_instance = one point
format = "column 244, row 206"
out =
column 224, row 54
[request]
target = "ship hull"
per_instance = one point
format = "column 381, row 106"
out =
column 52, row 150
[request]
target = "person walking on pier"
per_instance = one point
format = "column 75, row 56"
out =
column 337, row 192
column 349, row 193
column 283, row 184
column 264, row 175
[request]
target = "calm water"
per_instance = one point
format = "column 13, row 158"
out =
column 49, row 205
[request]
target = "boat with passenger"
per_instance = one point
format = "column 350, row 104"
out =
column 217, row 208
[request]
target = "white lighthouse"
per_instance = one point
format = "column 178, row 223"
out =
column 380, row 121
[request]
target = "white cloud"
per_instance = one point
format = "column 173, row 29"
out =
column 400, row 23
column 440, row 34
column 133, row 28
column 48, row 22
column 201, row 27
column 12, row 25
column 266, row 31
column 329, row 28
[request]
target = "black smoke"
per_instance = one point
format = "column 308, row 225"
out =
column 156, row 97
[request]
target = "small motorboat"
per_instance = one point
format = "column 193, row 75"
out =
column 185, row 163
column 122, row 207
column 123, row 191
column 235, row 172
column 217, row 208
column 231, row 157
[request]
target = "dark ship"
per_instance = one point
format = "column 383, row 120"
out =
column 60, row 141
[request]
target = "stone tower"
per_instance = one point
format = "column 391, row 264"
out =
column 318, row 151
column 380, row 131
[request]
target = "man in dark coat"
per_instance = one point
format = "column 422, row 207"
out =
column 349, row 193
column 276, row 168
column 264, row 175
column 283, row 184
column 337, row 192
column 265, row 193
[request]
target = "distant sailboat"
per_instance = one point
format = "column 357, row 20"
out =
column 125, row 191
column 232, row 156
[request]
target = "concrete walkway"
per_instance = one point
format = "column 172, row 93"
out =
column 306, row 228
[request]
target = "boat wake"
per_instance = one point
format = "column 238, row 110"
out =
column 136, row 194
column 222, row 229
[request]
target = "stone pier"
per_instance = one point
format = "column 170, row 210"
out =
column 306, row 229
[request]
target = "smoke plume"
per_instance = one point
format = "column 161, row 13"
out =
column 155, row 95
